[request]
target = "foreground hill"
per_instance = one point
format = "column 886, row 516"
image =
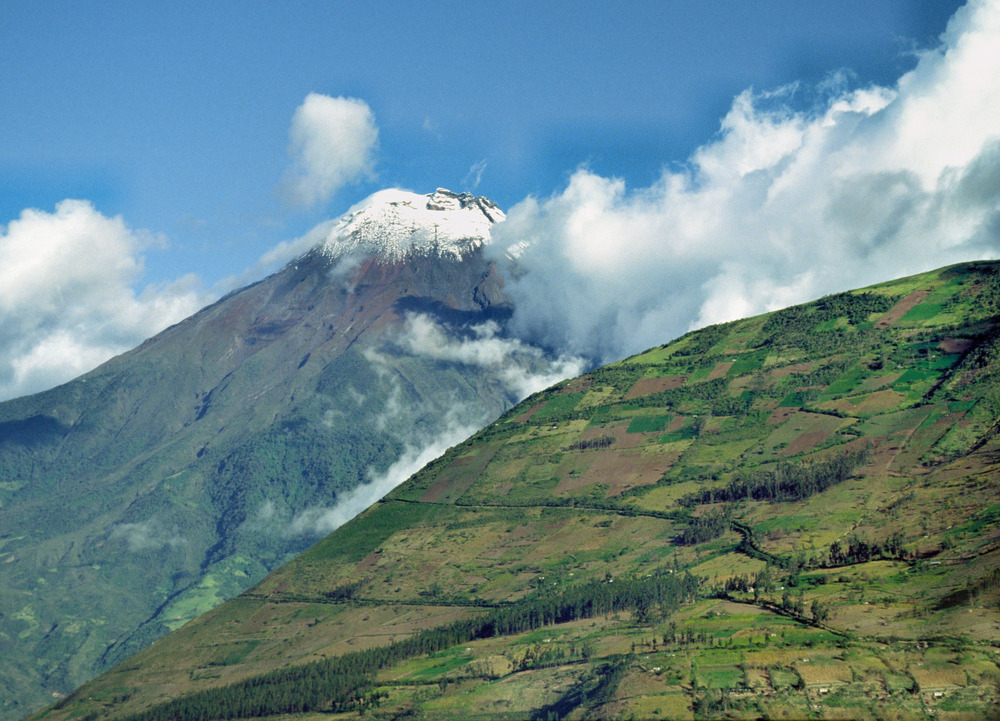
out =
column 790, row 515
column 178, row 474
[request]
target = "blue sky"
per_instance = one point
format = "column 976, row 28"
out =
column 176, row 115
column 174, row 119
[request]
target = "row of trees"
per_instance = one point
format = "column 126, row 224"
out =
column 601, row 442
column 764, row 582
column 787, row 482
column 346, row 683
column 859, row 550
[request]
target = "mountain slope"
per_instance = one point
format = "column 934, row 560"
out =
column 794, row 514
column 179, row 473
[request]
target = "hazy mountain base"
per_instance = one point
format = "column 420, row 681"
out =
column 867, row 593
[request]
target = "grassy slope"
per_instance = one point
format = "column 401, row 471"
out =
column 585, row 481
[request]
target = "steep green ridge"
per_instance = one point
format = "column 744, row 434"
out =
column 791, row 515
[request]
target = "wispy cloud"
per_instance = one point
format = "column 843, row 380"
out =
column 475, row 175
column 421, row 450
column 425, row 429
column 68, row 298
column 332, row 143
column 785, row 204
column 522, row 368
column 289, row 250
column 149, row 535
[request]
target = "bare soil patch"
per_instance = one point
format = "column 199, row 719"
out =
column 437, row 490
column 956, row 345
column 623, row 439
column 676, row 424
column 646, row 471
column 883, row 456
column 789, row 370
column 620, row 470
column 720, row 370
column 803, row 431
column 843, row 405
column 577, row 385
column 782, row 414
column 901, row 308
column 572, row 483
column 805, row 442
column 648, row 386
column 525, row 417
column 457, row 477
column 759, row 680
column 368, row 562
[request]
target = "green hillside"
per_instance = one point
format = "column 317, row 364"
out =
column 794, row 515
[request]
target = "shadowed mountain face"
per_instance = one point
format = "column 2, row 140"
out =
column 793, row 515
column 179, row 473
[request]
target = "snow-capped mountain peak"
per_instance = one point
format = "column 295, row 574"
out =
column 394, row 224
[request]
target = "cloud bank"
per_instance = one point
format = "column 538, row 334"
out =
column 67, row 295
column 783, row 205
column 521, row 368
column 332, row 141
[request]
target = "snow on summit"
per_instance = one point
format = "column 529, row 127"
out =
column 393, row 224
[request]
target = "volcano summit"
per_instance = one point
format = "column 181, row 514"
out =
column 394, row 224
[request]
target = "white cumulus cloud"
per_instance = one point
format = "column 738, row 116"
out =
column 68, row 297
column 785, row 204
column 332, row 143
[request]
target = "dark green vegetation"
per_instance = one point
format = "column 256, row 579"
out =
column 349, row 682
column 175, row 476
column 787, row 482
column 793, row 515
